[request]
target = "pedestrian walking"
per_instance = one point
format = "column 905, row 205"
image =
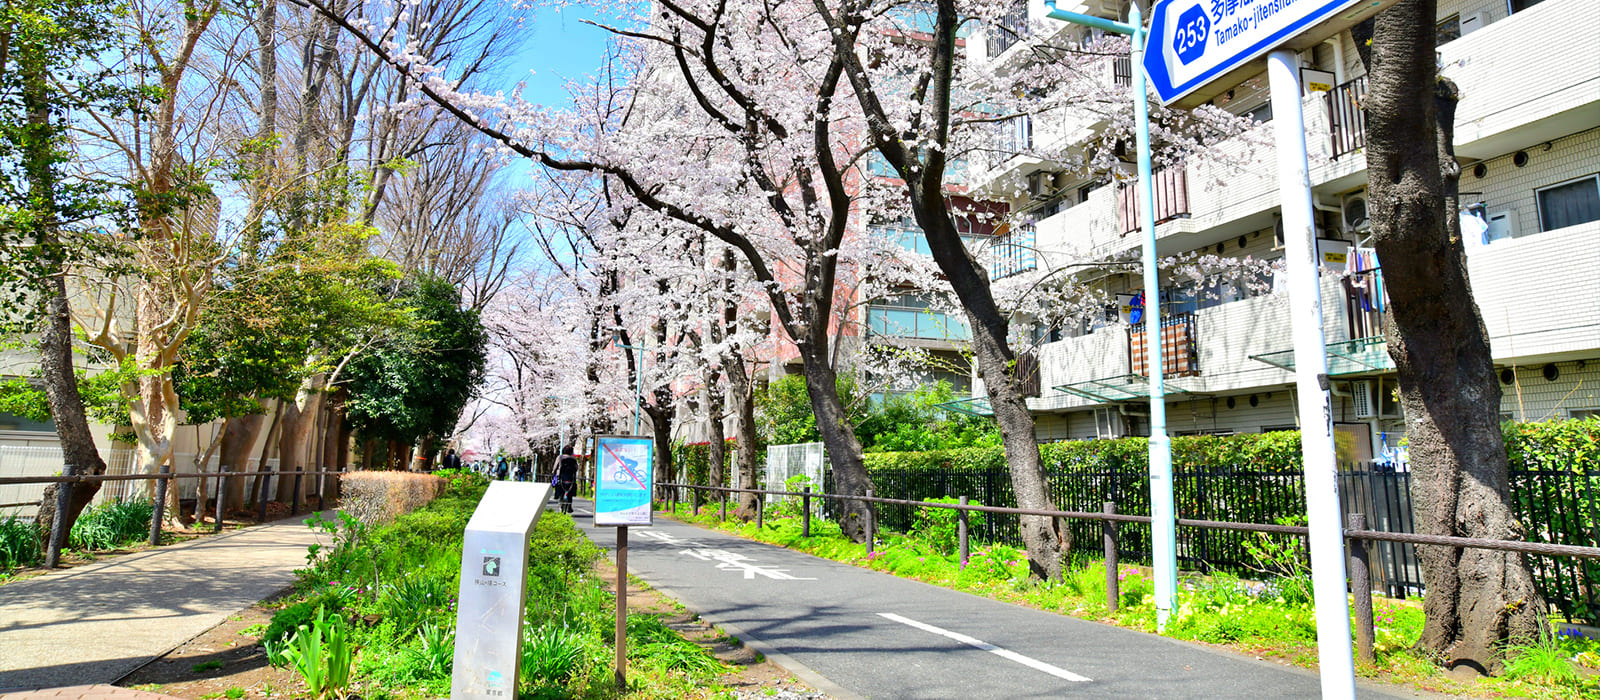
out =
column 567, row 475
column 451, row 460
column 501, row 469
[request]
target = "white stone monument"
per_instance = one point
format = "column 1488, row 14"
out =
column 494, row 562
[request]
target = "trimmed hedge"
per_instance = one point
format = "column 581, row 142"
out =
column 694, row 459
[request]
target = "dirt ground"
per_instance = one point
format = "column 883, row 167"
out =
column 226, row 657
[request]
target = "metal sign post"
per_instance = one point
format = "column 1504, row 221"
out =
column 1200, row 45
column 1163, row 515
column 624, row 479
column 494, row 585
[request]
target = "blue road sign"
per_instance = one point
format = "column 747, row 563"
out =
column 1193, row 42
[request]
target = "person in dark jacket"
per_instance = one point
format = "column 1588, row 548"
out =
column 451, row 461
column 566, row 478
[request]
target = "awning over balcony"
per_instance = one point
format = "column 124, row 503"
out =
column 975, row 406
column 1123, row 387
column 1362, row 356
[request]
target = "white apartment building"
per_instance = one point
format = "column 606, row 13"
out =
column 1527, row 134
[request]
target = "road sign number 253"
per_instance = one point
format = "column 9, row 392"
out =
column 1189, row 39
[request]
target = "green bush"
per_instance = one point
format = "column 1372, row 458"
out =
column 286, row 621
column 19, row 543
column 939, row 528
column 112, row 525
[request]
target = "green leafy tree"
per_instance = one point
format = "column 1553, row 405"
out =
column 414, row 388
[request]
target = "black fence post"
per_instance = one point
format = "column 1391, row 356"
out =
column 294, row 499
column 761, row 511
column 1361, row 588
column 961, row 532
column 723, row 503
column 694, row 502
column 805, row 512
column 222, row 487
column 871, row 524
column 58, row 525
column 160, row 505
column 1109, row 534
column 321, row 484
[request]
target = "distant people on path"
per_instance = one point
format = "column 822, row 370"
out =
column 566, row 478
column 501, row 469
column 524, row 470
column 451, row 460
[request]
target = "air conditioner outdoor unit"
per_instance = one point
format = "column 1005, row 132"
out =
column 1039, row 184
column 1364, row 396
column 1353, row 213
column 1108, row 423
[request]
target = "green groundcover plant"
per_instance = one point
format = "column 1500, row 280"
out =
column 1271, row 617
column 392, row 590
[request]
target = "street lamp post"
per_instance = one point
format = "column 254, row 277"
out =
column 1164, row 534
column 638, row 374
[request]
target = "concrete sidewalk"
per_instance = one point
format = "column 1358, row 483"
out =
column 98, row 622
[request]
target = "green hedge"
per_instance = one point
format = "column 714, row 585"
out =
column 695, row 459
column 1572, row 445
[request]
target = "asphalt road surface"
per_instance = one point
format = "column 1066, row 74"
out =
column 858, row 633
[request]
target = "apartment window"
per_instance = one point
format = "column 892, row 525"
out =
column 1578, row 413
column 1569, row 203
column 1261, row 114
column 23, row 425
column 1449, row 29
column 1520, row 5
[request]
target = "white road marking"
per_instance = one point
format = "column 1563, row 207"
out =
column 669, row 539
column 997, row 651
column 733, row 561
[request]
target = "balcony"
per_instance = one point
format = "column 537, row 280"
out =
column 902, row 322
column 1527, row 78
column 1171, row 198
column 1179, row 355
column 1013, row 254
column 1347, row 120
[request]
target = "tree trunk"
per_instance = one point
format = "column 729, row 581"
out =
column 661, row 435
column 716, row 446
column 239, row 435
column 1047, row 543
column 838, row 438
column 298, row 419
column 80, row 456
column 744, row 407
column 1477, row 599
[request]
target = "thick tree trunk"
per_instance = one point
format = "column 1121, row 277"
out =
column 744, row 408
column 80, row 456
column 1477, row 599
column 838, row 438
column 239, row 436
column 298, row 419
column 661, row 435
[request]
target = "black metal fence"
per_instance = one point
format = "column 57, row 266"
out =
column 1559, row 507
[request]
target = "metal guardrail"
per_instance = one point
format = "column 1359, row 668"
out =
column 58, row 533
column 1356, row 536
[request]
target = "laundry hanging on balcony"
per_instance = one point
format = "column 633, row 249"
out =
column 1366, row 280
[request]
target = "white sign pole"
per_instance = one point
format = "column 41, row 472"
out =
column 494, row 585
column 1311, row 380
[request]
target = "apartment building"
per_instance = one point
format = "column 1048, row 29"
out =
column 1527, row 135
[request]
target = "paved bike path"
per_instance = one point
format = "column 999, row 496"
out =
column 873, row 635
column 97, row 622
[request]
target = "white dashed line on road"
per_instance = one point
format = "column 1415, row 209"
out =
column 980, row 644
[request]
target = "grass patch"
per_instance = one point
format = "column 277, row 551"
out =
column 395, row 585
column 1273, row 618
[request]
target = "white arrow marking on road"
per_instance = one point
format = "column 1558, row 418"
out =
column 997, row 651
column 733, row 561
column 665, row 538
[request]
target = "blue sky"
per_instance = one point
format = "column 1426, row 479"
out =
column 561, row 48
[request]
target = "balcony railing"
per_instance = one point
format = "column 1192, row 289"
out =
column 1122, row 70
column 1347, row 117
column 1172, row 198
column 1013, row 28
column 1180, row 357
column 920, row 324
column 1014, row 254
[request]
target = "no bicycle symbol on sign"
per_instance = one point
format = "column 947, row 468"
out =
column 623, row 480
column 1193, row 42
